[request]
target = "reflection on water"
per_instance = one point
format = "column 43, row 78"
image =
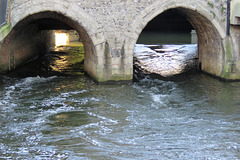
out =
column 65, row 60
column 164, row 38
column 75, row 118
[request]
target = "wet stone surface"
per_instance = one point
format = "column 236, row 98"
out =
column 166, row 60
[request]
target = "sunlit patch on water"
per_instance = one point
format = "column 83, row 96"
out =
column 75, row 118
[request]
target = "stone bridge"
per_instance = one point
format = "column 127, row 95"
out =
column 109, row 30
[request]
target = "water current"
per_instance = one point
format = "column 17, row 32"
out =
column 71, row 117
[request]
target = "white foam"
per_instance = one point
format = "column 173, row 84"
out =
column 33, row 80
column 141, row 48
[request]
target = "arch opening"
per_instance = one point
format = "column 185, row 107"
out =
column 32, row 41
column 177, row 26
column 169, row 27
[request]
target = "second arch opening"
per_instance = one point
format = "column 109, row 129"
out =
column 167, row 46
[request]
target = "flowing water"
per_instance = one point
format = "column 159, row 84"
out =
column 71, row 117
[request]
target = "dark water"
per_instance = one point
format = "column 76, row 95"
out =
column 164, row 38
column 71, row 117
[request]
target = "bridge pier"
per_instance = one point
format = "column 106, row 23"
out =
column 111, row 64
column 231, row 63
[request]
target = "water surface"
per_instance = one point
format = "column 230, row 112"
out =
column 70, row 117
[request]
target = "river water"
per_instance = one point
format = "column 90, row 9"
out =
column 70, row 117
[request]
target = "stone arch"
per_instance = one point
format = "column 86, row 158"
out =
column 68, row 9
column 210, row 33
column 85, row 25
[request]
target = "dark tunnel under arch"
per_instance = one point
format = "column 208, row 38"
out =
column 30, row 38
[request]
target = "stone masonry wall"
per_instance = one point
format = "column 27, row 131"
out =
column 113, row 26
column 114, row 18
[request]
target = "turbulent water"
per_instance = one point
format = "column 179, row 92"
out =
column 71, row 117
